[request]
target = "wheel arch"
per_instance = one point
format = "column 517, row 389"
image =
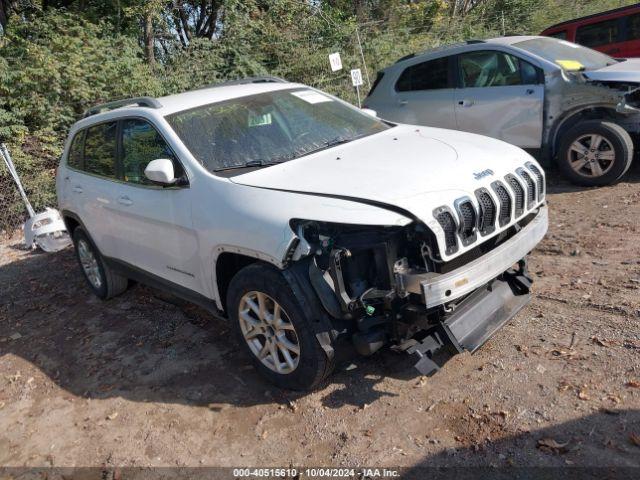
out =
column 573, row 117
column 226, row 265
column 72, row 221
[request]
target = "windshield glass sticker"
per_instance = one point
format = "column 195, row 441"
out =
column 310, row 96
column 258, row 120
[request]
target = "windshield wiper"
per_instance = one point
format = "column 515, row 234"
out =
column 332, row 143
column 249, row 164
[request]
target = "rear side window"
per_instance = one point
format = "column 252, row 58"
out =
column 431, row 75
column 74, row 159
column 141, row 143
column 633, row 27
column 100, row 150
column 562, row 35
column 601, row 33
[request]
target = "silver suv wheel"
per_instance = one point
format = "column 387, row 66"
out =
column 591, row 155
column 268, row 332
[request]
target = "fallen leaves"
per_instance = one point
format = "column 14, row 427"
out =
column 583, row 395
column 632, row 384
column 549, row 445
column 422, row 381
column 112, row 416
column 635, row 439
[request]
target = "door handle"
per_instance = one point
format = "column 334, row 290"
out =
column 466, row 102
column 402, row 103
column 530, row 91
column 124, row 200
column 77, row 189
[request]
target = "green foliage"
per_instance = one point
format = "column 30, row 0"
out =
column 52, row 67
column 57, row 61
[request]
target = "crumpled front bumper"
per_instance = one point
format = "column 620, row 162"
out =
column 436, row 289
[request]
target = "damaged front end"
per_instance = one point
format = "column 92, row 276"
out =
column 389, row 285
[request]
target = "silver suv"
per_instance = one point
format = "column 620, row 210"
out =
column 572, row 104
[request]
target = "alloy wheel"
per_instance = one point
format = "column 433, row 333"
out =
column 269, row 333
column 591, row 155
column 89, row 264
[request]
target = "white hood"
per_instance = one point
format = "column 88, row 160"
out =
column 414, row 168
column 626, row 71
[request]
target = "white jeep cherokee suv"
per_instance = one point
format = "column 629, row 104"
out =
column 305, row 220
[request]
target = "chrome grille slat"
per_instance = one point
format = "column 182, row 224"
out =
column 447, row 222
column 487, row 212
column 468, row 219
column 531, row 187
column 504, row 215
column 518, row 192
column 539, row 179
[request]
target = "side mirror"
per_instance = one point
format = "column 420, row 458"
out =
column 368, row 111
column 160, row 171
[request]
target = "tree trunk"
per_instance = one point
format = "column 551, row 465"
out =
column 5, row 10
column 149, row 39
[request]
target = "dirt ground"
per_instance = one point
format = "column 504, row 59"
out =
column 144, row 380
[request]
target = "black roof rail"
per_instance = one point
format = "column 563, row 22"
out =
column 473, row 41
column 139, row 101
column 246, row 81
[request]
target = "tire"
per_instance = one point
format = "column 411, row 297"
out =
column 102, row 280
column 311, row 365
column 613, row 143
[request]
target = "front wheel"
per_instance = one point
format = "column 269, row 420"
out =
column 103, row 281
column 595, row 153
column 274, row 330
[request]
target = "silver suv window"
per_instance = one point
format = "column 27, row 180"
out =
column 490, row 68
column 430, row 75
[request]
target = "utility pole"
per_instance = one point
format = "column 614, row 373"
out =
column 364, row 63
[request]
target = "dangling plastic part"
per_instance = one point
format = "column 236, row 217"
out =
column 47, row 231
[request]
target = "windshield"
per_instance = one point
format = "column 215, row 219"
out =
column 569, row 56
column 268, row 128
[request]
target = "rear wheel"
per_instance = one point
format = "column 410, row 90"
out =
column 102, row 280
column 274, row 330
column 595, row 153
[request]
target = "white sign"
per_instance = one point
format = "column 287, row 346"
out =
column 356, row 77
column 335, row 61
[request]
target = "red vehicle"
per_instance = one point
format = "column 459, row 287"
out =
column 615, row 32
